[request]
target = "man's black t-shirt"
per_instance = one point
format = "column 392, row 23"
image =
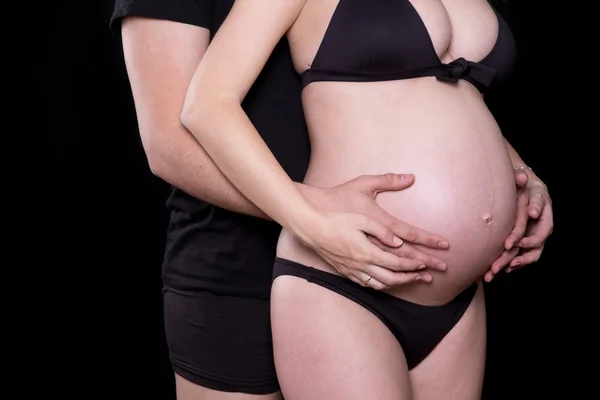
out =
column 207, row 247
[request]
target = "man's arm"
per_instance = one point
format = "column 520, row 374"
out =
column 161, row 57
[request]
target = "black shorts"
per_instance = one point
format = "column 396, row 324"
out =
column 221, row 342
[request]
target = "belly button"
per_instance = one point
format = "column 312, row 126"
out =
column 487, row 218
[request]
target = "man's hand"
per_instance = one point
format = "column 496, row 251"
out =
column 533, row 226
column 358, row 196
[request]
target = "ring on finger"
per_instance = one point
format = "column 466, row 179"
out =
column 366, row 281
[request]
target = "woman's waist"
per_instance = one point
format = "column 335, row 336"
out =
column 347, row 132
column 406, row 108
column 421, row 101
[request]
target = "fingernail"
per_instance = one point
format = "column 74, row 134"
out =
column 422, row 266
column 441, row 266
column 443, row 245
column 418, row 278
column 508, row 270
column 397, row 240
column 514, row 264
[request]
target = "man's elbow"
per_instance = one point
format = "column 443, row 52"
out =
column 158, row 167
column 154, row 148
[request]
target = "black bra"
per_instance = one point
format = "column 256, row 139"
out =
column 380, row 40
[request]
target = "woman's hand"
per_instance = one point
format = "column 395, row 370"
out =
column 358, row 196
column 533, row 225
column 342, row 240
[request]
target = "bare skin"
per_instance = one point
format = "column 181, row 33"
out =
column 161, row 57
column 477, row 215
column 462, row 129
column 467, row 190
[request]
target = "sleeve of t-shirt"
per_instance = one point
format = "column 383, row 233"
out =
column 192, row 12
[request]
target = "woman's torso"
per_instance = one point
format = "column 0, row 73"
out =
column 440, row 131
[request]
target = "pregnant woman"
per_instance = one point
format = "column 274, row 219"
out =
column 389, row 85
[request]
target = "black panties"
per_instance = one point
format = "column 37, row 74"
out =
column 418, row 328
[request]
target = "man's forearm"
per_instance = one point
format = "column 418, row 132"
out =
column 177, row 158
column 181, row 161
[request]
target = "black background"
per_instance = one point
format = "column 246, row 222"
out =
column 99, row 218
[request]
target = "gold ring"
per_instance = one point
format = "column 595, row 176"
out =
column 366, row 282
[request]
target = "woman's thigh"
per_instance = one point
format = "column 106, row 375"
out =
column 329, row 347
column 220, row 347
column 455, row 368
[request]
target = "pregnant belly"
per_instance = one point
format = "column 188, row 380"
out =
column 464, row 187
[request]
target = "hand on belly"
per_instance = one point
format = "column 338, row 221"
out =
column 464, row 185
column 475, row 214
